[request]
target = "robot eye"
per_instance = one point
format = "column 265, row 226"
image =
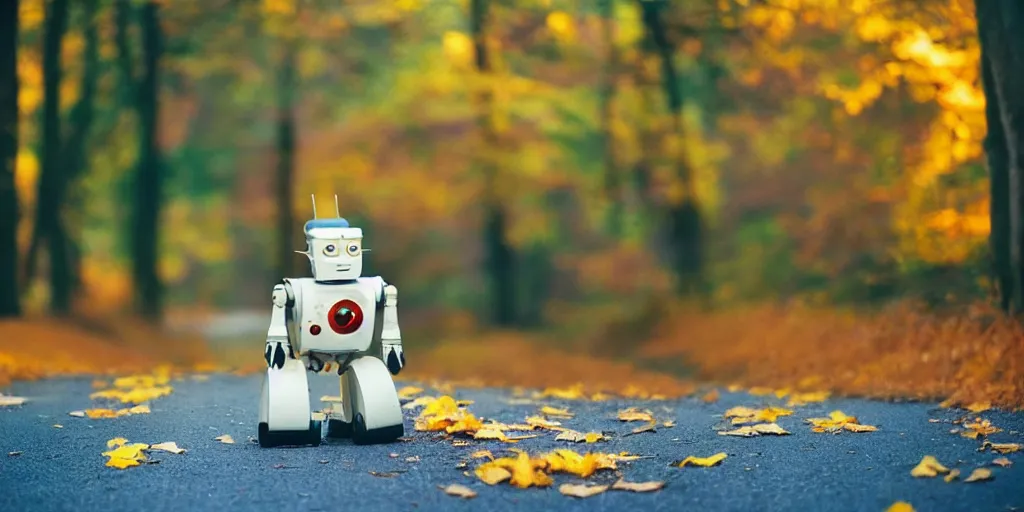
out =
column 331, row 250
column 353, row 249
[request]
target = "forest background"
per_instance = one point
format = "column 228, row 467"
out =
column 754, row 189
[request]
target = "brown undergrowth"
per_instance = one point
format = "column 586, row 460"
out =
column 39, row 348
column 974, row 356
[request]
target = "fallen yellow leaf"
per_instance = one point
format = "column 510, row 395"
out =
column 553, row 412
column 10, row 401
column 226, row 439
column 117, row 441
column 856, row 427
column 459, row 490
column 77, row 414
column 1002, row 461
column 492, row 474
column 408, row 392
column 979, row 475
column 928, row 467
column 668, row 424
column 953, row 475
column 838, row 421
column 541, row 422
column 1002, row 448
column 900, row 506
column 980, row 427
column 581, row 490
column 480, row 454
column 741, row 415
column 703, row 461
column 622, row 485
column 977, row 407
column 579, row 437
column 635, row 414
column 756, row 430
column 169, row 446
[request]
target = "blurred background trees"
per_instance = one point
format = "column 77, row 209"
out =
column 519, row 163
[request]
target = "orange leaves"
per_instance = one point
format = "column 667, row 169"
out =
column 838, row 421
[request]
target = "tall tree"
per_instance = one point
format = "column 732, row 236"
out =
column 285, row 162
column 500, row 254
column 148, row 179
column 49, row 223
column 1001, row 32
column 9, row 298
column 612, row 179
column 74, row 151
column 685, row 225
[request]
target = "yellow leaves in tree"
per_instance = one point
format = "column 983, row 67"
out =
column 838, row 421
column 929, row 467
column 561, row 26
column 703, row 462
column 458, row 48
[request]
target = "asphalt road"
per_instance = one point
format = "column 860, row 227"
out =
column 63, row 469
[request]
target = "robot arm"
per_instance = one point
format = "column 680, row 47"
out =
column 278, row 346
column 391, row 335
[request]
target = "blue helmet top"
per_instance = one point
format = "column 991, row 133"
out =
column 336, row 222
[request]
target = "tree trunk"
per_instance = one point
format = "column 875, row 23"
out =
column 9, row 298
column 285, row 163
column 75, row 154
column 1002, row 44
column 148, row 176
column 685, row 226
column 53, row 180
column 500, row 255
column 612, row 179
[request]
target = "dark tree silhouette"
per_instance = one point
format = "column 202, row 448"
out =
column 9, row 298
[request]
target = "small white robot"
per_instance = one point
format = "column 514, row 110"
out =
column 336, row 321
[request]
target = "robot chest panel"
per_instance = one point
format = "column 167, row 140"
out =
column 337, row 317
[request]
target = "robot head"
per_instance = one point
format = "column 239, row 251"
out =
column 335, row 250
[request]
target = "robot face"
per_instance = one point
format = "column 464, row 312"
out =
column 335, row 250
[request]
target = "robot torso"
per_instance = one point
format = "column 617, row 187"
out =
column 334, row 318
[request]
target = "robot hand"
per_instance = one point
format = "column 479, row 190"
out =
column 394, row 358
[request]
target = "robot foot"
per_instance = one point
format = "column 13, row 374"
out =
column 337, row 429
column 360, row 435
column 271, row 439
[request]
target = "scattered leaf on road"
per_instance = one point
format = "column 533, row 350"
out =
column 124, row 454
column 741, row 415
column 554, row 412
column 1002, row 461
column 480, row 454
column 977, row 407
column 837, row 421
column 418, row 402
column 980, row 428
column 645, row 428
column 13, row 454
column 542, row 422
column 635, row 414
column 953, row 475
column 622, row 485
column 756, row 430
column 226, row 439
column 169, row 446
column 581, row 490
column 382, row 474
column 668, row 424
column 408, row 392
column 77, row 414
column 979, row 475
column 579, row 437
column 703, row 461
column 1002, row 448
column 492, row 475
column 459, row 490
column 58, row 425
column 414, row 458
column 928, row 467
column 10, row 401
column 460, row 442
column 900, row 506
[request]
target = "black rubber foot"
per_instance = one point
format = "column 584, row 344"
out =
column 337, row 429
column 277, row 438
column 376, row 436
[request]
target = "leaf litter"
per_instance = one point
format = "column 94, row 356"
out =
column 838, row 421
column 459, row 490
column 122, row 455
column 704, row 462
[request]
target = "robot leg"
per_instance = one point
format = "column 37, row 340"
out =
column 285, row 416
column 376, row 411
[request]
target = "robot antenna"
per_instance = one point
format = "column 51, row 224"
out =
column 313, row 197
column 337, row 211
